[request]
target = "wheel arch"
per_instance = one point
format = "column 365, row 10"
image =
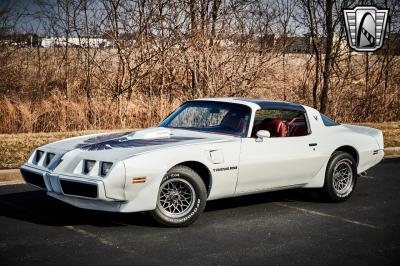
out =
column 202, row 170
column 350, row 150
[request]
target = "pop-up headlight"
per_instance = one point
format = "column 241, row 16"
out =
column 49, row 158
column 88, row 166
column 38, row 155
column 105, row 168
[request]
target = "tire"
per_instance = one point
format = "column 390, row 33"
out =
column 340, row 177
column 181, row 198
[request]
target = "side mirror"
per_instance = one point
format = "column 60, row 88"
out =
column 262, row 134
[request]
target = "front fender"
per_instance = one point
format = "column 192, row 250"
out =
column 154, row 165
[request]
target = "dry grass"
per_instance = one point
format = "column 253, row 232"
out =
column 55, row 114
column 16, row 148
column 39, row 97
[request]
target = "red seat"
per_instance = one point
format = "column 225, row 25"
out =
column 276, row 127
column 297, row 127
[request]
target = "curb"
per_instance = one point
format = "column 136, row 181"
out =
column 392, row 151
column 10, row 177
column 9, row 183
column 13, row 176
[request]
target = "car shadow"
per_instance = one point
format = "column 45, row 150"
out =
column 303, row 195
column 36, row 206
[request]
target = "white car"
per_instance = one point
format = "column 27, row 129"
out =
column 207, row 149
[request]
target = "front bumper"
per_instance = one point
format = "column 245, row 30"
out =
column 83, row 193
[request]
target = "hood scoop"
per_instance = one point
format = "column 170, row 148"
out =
column 150, row 133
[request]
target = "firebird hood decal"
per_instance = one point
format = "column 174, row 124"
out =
column 123, row 142
column 121, row 145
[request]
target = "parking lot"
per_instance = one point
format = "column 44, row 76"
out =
column 289, row 227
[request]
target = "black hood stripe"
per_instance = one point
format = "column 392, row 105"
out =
column 124, row 142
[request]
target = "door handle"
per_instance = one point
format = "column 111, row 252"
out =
column 312, row 144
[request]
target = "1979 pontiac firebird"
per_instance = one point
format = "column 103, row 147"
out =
column 207, row 149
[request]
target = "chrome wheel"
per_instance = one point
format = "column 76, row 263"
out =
column 176, row 198
column 343, row 177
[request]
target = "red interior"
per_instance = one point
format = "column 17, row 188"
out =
column 280, row 128
column 276, row 127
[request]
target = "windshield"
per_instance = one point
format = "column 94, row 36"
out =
column 217, row 117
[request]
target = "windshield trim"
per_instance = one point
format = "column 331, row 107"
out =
column 175, row 113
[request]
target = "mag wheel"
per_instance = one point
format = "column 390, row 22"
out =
column 340, row 177
column 181, row 197
column 176, row 198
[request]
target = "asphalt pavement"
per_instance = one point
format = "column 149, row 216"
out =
column 293, row 227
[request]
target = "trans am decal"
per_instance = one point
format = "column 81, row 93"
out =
column 119, row 140
column 225, row 168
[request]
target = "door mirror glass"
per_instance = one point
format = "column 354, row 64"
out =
column 261, row 134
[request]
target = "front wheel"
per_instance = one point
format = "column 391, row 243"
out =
column 181, row 198
column 340, row 177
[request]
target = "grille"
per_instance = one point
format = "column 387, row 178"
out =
column 79, row 189
column 33, row 178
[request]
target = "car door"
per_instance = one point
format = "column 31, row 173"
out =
column 278, row 161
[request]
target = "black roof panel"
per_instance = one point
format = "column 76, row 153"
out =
column 270, row 104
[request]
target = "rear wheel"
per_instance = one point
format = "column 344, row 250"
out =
column 340, row 177
column 181, row 198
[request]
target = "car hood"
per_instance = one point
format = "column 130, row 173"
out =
column 119, row 145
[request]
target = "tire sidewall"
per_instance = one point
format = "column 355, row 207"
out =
column 197, row 208
column 335, row 159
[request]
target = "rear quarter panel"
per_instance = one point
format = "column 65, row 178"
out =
column 330, row 138
column 333, row 137
column 364, row 144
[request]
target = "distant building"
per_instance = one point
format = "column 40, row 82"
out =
column 267, row 41
column 21, row 40
column 298, row 44
column 291, row 44
column 84, row 42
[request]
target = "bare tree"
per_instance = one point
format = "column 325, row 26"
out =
column 328, row 55
column 285, row 20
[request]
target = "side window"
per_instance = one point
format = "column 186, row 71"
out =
column 280, row 123
column 328, row 121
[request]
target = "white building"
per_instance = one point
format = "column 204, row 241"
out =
column 84, row 42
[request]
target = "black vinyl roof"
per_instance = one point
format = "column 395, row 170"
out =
column 270, row 104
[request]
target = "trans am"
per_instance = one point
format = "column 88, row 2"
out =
column 205, row 150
